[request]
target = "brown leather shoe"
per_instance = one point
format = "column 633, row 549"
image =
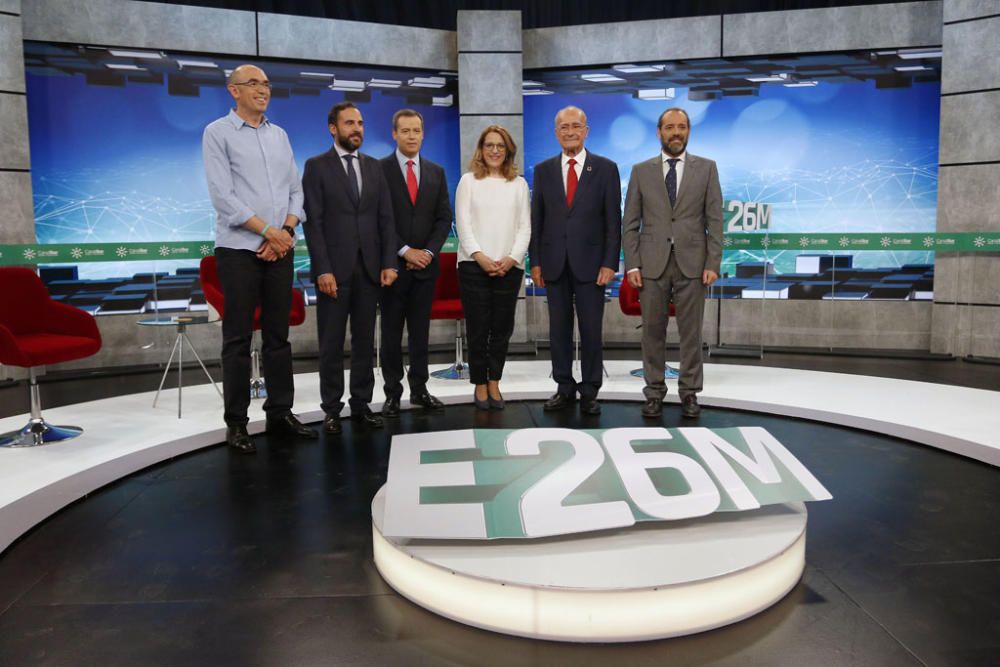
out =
column 653, row 408
column 690, row 407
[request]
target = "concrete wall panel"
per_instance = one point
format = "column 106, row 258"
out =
column 141, row 25
column 968, row 198
column 971, row 59
column 17, row 220
column 624, row 42
column 11, row 55
column 490, row 83
column 307, row 38
column 832, row 29
column 961, row 10
column 14, row 152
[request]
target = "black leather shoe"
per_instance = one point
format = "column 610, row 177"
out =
column 425, row 400
column 367, row 418
column 290, row 425
column 331, row 424
column 390, row 409
column 239, row 440
column 558, row 402
column 690, row 407
column 653, row 408
column 590, row 406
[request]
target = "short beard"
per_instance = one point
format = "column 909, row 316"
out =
column 344, row 142
column 666, row 148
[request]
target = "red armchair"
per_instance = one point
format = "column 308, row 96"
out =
column 628, row 301
column 37, row 331
column 447, row 305
column 212, row 287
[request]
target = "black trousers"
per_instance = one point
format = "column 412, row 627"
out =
column 356, row 301
column 246, row 283
column 489, row 304
column 407, row 301
column 587, row 297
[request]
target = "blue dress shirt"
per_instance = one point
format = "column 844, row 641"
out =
column 250, row 171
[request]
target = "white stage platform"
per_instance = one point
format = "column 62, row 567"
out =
column 126, row 434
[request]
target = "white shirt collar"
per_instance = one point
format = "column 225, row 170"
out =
column 682, row 157
column 403, row 159
column 341, row 152
column 580, row 157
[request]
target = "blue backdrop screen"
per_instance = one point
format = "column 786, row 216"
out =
column 854, row 150
column 116, row 153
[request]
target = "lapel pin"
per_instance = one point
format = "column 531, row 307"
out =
column 589, row 168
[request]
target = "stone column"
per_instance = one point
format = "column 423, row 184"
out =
column 966, row 315
column 17, row 221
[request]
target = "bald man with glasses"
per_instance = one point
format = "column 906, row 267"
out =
column 255, row 188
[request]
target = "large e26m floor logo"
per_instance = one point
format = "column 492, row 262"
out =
column 536, row 482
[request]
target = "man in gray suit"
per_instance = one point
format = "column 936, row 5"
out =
column 672, row 237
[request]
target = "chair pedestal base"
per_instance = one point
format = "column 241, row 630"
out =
column 258, row 389
column 39, row 432
column 458, row 370
column 670, row 373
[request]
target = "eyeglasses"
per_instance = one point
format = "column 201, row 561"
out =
column 499, row 148
column 566, row 127
column 255, row 84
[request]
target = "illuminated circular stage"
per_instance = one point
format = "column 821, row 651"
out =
column 649, row 581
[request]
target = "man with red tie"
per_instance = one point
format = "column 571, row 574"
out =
column 575, row 247
column 423, row 217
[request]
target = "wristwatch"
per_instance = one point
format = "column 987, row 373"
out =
column 289, row 229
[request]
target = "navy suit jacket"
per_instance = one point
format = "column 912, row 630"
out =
column 584, row 236
column 425, row 224
column 336, row 228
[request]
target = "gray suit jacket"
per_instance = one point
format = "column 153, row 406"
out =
column 695, row 224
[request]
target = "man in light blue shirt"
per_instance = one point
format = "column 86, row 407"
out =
column 255, row 189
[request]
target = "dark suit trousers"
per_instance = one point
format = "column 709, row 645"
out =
column 356, row 301
column 489, row 305
column 246, row 283
column 407, row 301
column 588, row 298
column 689, row 298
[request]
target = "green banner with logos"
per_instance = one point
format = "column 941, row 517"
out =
column 75, row 253
column 921, row 241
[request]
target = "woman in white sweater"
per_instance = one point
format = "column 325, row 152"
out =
column 493, row 219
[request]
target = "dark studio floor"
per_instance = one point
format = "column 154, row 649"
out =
column 215, row 559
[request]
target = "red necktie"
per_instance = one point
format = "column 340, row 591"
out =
column 411, row 181
column 571, row 182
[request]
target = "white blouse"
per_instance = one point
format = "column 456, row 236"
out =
column 492, row 216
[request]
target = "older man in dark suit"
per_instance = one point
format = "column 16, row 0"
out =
column 575, row 246
column 422, row 213
column 351, row 241
column 673, row 249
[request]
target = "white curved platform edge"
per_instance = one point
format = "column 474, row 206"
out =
column 125, row 434
column 649, row 581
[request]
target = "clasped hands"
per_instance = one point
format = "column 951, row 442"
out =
column 276, row 244
column 494, row 268
column 417, row 259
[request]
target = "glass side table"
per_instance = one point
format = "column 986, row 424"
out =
column 180, row 323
